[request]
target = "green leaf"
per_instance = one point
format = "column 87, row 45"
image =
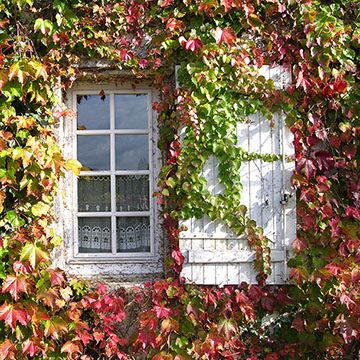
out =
column 45, row 26
column 165, row 192
column 14, row 219
column 170, row 182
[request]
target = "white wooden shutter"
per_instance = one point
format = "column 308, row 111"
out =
column 213, row 254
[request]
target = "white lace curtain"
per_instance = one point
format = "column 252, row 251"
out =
column 132, row 233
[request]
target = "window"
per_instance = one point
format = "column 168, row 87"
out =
column 113, row 190
column 108, row 213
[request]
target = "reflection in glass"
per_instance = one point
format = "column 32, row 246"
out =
column 131, row 111
column 94, row 152
column 93, row 112
column 132, row 152
column 132, row 193
column 94, row 194
column 133, row 234
column 94, row 235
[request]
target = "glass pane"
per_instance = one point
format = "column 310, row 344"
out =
column 94, row 193
column 94, row 235
column 133, row 234
column 132, row 193
column 131, row 111
column 132, row 152
column 94, row 152
column 93, row 112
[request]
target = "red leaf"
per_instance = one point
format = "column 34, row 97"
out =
column 255, row 293
column 143, row 63
column 299, row 244
column 272, row 356
column 352, row 212
column 303, row 82
column 23, row 267
column 126, row 55
column 178, row 257
column 147, row 338
column 98, row 336
column 194, row 45
column 228, row 326
column 162, row 311
column 349, row 151
column 175, row 149
column 226, row 35
column 7, row 350
column 174, row 24
column 84, row 336
column 267, row 303
column 11, row 314
column 169, row 325
column 15, row 285
column 227, row 4
column 347, row 300
column 215, row 340
column 298, row 324
column 347, row 327
column 333, row 268
column 324, row 160
column 56, row 277
column 298, row 274
column 340, row 86
column 308, row 165
column 30, row 347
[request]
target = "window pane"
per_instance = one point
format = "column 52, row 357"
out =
column 133, row 234
column 94, row 152
column 132, row 152
column 93, row 112
column 94, row 193
column 94, row 235
column 132, row 193
column 131, row 111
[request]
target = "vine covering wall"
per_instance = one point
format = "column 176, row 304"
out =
column 220, row 46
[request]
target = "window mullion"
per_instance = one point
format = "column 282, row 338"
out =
column 112, row 169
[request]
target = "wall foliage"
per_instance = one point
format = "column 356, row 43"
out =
column 220, row 46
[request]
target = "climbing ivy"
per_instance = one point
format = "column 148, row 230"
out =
column 219, row 47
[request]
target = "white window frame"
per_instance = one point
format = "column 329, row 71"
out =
column 69, row 208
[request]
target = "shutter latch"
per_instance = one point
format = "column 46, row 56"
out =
column 285, row 197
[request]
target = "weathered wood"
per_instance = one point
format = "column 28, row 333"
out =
column 214, row 254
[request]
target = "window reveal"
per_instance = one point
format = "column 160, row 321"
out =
column 114, row 213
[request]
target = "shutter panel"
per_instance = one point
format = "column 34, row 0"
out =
column 214, row 255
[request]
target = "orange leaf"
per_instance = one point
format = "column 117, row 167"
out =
column 72, row 348
column 2, row 199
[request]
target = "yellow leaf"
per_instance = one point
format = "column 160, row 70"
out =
column 55, row 326
column 74, row 166
column 34, row 254
column 15, row 71
column 40, row 208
